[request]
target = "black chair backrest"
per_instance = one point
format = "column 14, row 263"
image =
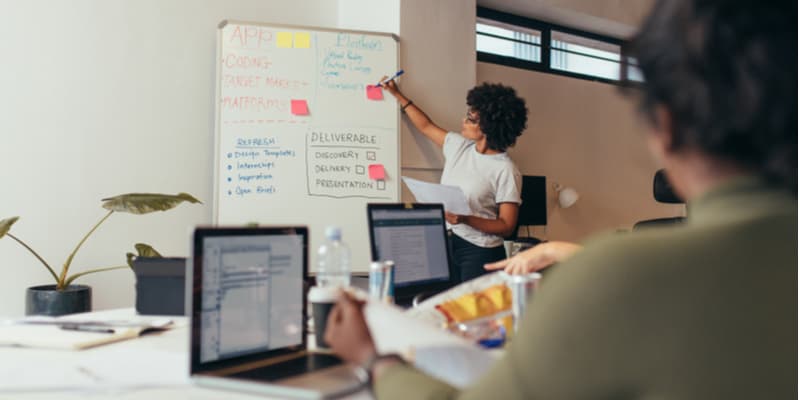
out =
column 533, row 210
column 663, row 193
column 662, row 189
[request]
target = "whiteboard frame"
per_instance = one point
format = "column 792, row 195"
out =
column 218, row 92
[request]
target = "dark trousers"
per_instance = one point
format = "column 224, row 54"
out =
column 469, row 258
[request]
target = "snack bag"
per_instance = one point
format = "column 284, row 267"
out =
column 481, row 304
column 480, row 297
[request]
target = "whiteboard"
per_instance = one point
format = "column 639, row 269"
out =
column 298, row 141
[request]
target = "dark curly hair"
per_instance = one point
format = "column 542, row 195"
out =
column 502, row 114
column 727, row 73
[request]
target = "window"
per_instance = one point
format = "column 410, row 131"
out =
column 584, row 56
column 508, row 40
column 526, row 43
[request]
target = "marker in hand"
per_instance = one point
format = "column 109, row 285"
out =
column 396, row 74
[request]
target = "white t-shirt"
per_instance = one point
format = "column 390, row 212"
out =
column 486, row 179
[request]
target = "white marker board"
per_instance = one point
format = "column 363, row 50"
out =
column 278, row 164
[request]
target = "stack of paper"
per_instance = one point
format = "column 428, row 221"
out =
column 433, row 350
column 453, row 198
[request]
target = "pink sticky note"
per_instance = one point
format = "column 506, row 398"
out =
column 299, row 107
column 377, row 172
column 374, row 92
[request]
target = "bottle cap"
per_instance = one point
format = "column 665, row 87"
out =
column 333, row 233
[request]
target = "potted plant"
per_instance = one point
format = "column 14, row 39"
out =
column 65, row 297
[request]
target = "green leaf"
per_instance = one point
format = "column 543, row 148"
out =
column 144, row 203
column 5, row 225
column 145, row 250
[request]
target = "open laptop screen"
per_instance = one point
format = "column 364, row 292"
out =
column 250, row 290
column 414, row 237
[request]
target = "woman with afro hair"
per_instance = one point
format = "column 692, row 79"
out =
column 476, row 161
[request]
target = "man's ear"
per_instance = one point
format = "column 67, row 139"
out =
column 662, row 128
column 661, row 139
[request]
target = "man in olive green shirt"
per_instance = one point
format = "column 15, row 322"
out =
column 706, row 310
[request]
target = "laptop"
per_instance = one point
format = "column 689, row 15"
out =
column 414, row 236
column 248, row 313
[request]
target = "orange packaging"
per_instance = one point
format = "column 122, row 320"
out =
column 487, row 302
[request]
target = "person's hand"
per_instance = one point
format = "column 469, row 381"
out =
column 390, row 86
column 536, row 258
column 347, row 332
column 454, row 219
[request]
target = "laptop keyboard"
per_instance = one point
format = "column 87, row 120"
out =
column 289, row 368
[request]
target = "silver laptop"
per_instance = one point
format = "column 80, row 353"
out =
column 248, row 313
column 413, row 235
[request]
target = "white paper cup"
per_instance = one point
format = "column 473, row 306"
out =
column 322, row 300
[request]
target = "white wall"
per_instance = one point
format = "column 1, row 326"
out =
column 104, row 97
column 437, row 50
column 437, row 45
column 370, row 15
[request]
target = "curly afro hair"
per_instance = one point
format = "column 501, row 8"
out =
column 502, row 115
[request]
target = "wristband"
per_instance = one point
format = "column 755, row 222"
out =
column 403, row 108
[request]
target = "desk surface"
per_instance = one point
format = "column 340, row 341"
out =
column 154, row 366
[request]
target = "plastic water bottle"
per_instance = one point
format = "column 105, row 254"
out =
column 333, row 258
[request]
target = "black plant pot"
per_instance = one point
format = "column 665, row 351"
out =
column 46, row 300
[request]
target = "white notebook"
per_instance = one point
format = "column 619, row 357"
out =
column 52, row 333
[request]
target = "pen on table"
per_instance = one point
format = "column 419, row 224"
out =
column 154, row 323
column 87, row 328
column 396, row 74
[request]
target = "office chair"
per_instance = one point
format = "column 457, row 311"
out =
column 663, row 193
column 533, row 210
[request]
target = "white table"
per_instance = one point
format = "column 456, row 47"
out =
column 154, row 366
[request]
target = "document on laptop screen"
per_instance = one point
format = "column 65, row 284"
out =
column 415, row 241
column 252, row 294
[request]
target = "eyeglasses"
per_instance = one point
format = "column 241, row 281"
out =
column 472, row 120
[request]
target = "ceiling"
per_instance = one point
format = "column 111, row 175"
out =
column 616, row 18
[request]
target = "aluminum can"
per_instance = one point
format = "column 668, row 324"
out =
column 381, row 280
column 522, row 289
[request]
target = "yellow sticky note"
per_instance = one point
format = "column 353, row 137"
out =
column 302, row 40
column 285, row 39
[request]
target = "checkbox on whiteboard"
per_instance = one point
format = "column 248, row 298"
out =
column 381, row 185
column 371, row 155
column 360, row 170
